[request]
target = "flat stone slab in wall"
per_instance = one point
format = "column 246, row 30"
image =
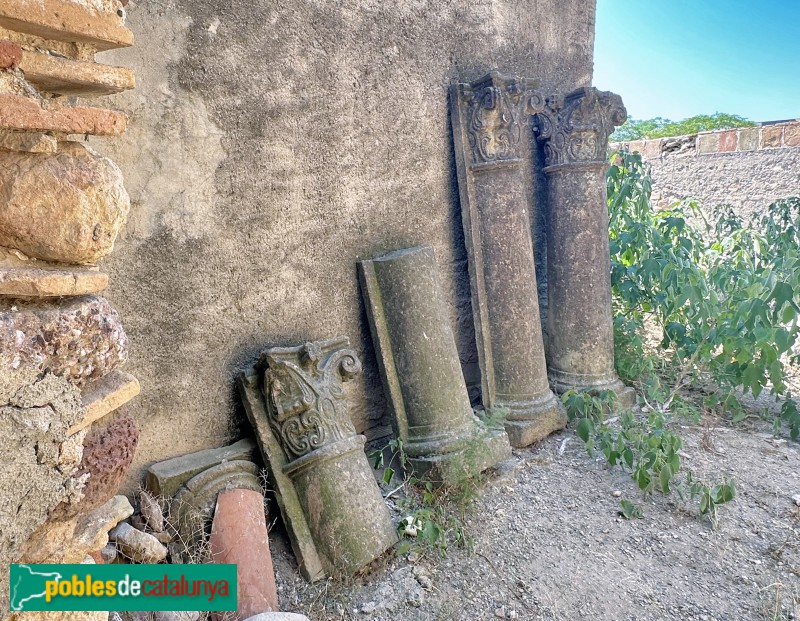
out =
column 27, row 114
column 66, row 207
column 23, row 276
column 99, row 24
column 103, row 396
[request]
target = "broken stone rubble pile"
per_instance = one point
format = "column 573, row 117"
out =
column 67, row 443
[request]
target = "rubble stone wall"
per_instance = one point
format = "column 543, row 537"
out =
column 748, row 168
column 272, row 145
column 62, row 205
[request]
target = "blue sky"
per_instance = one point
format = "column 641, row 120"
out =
column 678, row 58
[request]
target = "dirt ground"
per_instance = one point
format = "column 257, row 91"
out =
column 548, row 545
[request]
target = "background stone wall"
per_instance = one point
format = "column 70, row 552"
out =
column 747, row 168
column 273, row 144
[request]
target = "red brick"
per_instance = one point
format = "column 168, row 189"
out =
column 727, row 141
column 10, row 54
column 791, row 135
column 21, row 113
column 239, row 536
column 64, row 20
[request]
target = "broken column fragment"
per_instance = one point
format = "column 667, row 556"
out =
column 165, row 478
column 442, row 437
column 194, row 503
column 574, row 130
column 324, row 485
column 488, row 118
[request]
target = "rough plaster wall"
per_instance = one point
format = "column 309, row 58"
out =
column 272, row 144
column 749, row 180
column 38, row 463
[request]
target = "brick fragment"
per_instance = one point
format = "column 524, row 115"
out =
column 25, row 114
column 10, row 54
column 239, row 536
column 65, row 20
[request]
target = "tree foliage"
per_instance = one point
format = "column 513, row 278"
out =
column 662, row 128
column 723, row 296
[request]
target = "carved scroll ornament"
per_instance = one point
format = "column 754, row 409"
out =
column 574, row 128
column 305, row 396
column 498, row 108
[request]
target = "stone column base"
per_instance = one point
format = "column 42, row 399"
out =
column 562, row 381
column 534, row 420
column 484, row 449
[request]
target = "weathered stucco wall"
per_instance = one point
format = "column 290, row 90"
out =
column 273, row 144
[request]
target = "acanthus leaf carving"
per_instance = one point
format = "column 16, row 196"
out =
column 304, row 393
column 497, row 108
column 574, row 128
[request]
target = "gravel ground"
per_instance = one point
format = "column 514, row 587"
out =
column 548, row 544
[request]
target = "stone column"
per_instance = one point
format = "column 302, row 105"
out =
column 420, row 370
column 325, row 487
column 488, row 118
column 574, row 130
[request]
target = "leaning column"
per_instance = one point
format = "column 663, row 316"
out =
column 488, row 117
column 574, row 131
column 421, row 375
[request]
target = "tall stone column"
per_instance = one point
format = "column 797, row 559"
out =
column 574, row 131
column 488, row 118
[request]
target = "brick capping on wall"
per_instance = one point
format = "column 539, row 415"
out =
column 764, row 136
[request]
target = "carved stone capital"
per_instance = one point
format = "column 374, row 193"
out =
column 497, row 109
column 574, row 128
column 304, row 393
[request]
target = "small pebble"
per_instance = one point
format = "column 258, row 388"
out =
column 616, row 493
column 796, row 499
column 500, row 613
column 151, row 512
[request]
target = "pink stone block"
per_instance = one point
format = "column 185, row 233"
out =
column 239, row 536
column 771, row 136
column 791, row 135
column 727, row 141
